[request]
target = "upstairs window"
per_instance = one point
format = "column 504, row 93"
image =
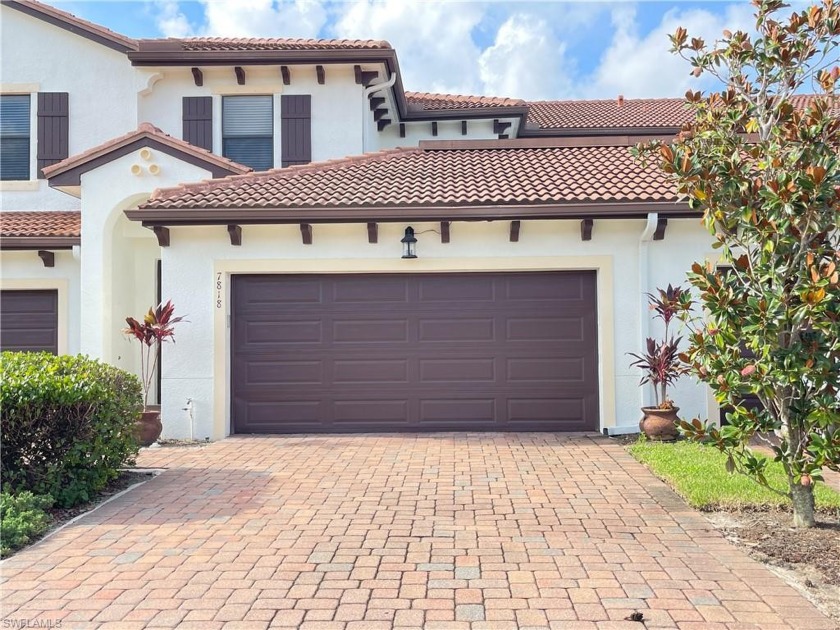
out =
column 14, row 137
column 247, row 130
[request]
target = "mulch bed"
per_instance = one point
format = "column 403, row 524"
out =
column 127, row 478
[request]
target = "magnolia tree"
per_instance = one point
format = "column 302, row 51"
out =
column 761, row 162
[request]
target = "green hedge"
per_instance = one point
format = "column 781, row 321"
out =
column 22, row 518
column 67, row 424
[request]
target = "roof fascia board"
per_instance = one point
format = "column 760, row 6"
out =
column 598, row 131
column 118, row 43
column 219, row 216
column 72, row 176
column 38, row 242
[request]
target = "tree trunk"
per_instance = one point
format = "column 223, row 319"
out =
column 803, row 504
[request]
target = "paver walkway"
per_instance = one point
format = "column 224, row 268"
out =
column 427, row 531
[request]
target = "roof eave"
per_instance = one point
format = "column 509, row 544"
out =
column 12, row 243
column 387, row 214
column 531, row 132
column 58, row 18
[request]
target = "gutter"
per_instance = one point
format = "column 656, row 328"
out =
column 378, row 87
column 644, row 272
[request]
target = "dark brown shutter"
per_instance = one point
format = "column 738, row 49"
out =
column 198, row 121
column 296, row 129
column 53, row 128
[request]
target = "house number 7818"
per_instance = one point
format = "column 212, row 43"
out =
column 219, row 290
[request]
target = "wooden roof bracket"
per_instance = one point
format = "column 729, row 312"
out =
column 373, row 232
column 235, row 233
column 306, row 233
column 514, row 231
column 444, row 231
column 162, row 234
column 198, row 76
column 240, row 74
column 586, row 229
column 661, row 224
column 48, row 258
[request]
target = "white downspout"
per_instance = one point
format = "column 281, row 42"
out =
column 644, row 315
column 365, row 113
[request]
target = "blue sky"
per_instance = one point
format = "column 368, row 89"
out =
column 534, row 50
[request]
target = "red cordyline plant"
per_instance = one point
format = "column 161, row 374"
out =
column 158, row 325
column 660, row 364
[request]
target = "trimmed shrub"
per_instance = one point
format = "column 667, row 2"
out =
column 22, row 518
column 68, row 424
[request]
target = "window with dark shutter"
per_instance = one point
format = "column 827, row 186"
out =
column 296, row 129
column 14, row 136
column 53, row 128
column 247, row 130
column 198, row 121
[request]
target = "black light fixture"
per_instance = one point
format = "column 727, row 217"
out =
column 409, row 243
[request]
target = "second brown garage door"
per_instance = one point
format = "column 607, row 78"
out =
column 357, row 353
column 29, row 321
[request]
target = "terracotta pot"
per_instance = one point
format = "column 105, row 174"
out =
column 659, row 424
column 149, row 426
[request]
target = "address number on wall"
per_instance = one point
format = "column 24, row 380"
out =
column 219, row 290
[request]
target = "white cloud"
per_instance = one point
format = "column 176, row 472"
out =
column 433, row 39
column 245, row 18
column 531, row 49
column 170, row 20
column 526, row 60
column 641, row 66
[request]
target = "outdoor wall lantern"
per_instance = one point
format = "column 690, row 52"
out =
column 409, row 243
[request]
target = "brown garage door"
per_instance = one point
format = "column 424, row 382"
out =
column 352, row 353
column 29, row 321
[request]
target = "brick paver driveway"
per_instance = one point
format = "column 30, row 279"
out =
column 426, row 531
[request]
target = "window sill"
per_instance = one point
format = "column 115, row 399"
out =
column 9, row 185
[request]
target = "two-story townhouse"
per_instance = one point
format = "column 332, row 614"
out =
column 269, row 188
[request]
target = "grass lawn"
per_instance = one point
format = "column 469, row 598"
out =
column 698, row 474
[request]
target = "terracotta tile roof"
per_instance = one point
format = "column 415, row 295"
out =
column 664, row 112
column 145, row 130
column 431, row 102
column 41, row 224
column 436, row 177
column 639, row 113
column 73, row 23
column 263, row 43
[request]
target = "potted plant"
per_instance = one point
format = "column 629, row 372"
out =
column 157, row 326
column 661, row 366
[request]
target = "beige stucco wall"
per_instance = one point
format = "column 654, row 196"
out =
column 102, row 87
column 198, row 265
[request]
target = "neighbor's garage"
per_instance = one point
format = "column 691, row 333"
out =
column 470, row 352
column 29, row 321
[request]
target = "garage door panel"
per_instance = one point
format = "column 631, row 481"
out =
column 442, row 289
column 568, row 287
column 370, row 331
column 552, row 370
column 419, row 352
column 442, row 370
column 274, row 332
column 544, row 409
column 454, row 412
column 272, row 371
column 370, row 371
column 300, row 290
column 29, row 320
column 546, row 329
column 262, row 416
column 374, row 412
column 457, row 329
column 393, row 289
